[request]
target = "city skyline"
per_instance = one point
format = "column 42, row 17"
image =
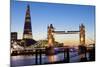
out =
column 63, row 17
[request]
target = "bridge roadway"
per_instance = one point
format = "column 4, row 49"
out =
column 47, row 50
column 38, row 50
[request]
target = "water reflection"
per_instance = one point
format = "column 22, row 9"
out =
column 23, row 60
column 52, row 58
column 30, row 60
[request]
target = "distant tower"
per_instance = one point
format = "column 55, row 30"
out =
column 13, row 36
column 51, row 39
column 82, row 34
column 27, row 34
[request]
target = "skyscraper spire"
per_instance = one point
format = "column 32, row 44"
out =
column 27, row 34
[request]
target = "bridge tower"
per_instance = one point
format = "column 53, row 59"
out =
column 82, row 34
column 51, row 40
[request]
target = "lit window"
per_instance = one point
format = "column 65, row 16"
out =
column 28, row 20
column 27, row 15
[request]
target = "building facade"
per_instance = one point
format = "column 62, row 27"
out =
column 13, row 36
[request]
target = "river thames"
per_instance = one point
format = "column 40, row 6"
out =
column 23, row 60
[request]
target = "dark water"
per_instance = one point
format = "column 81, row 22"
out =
column 30, row 60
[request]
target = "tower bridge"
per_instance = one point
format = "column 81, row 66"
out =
column 82, row 49
column 52, row 31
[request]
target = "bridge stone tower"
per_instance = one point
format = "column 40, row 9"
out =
column 51, row 40
column 27, row 34
column 82, row 46
column 82, row 34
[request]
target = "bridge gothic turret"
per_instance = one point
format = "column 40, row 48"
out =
column 51, row 40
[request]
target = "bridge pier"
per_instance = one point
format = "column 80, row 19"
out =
column 50, row 51
column 40, row 58
column 36, row 57
column 82, row 53
column 91, row 52
column 66, row 55
column 38, row 53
